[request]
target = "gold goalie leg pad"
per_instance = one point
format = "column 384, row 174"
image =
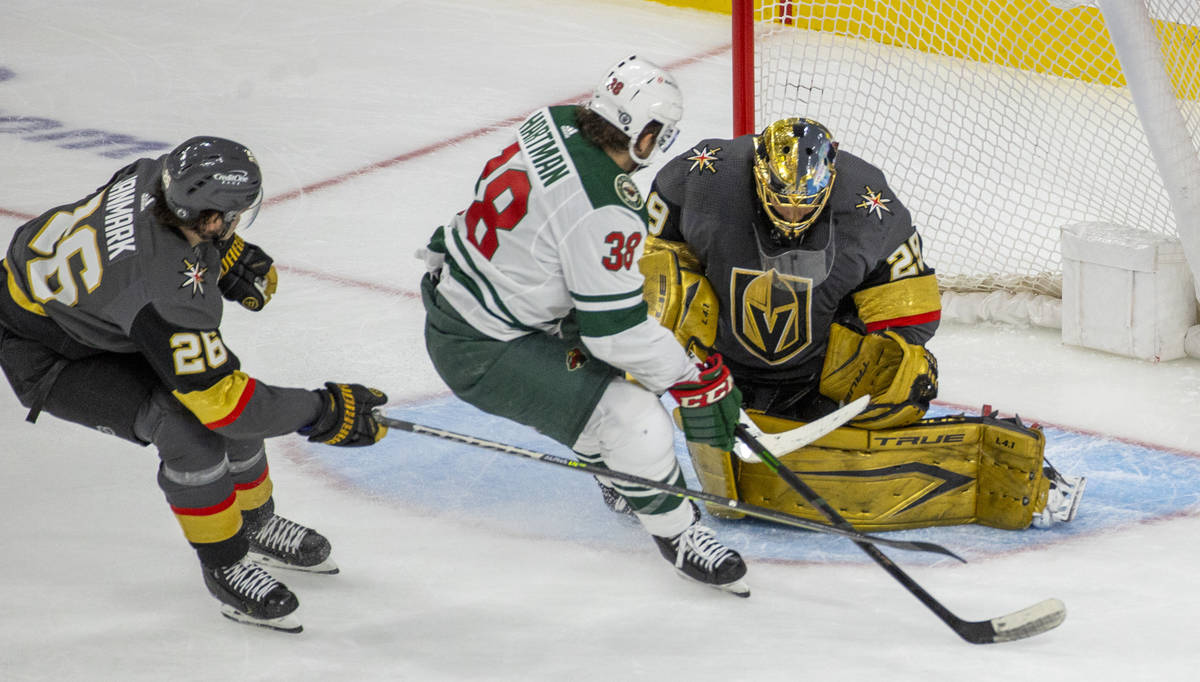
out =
column 715, row 469
column 935, row 472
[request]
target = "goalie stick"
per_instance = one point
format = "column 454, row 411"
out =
column 686, row 493
column 796, row 438
column 1033, row 620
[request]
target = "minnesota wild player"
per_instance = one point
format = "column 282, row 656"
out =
column 535, row 311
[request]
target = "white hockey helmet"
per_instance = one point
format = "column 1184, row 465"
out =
column 635, row 93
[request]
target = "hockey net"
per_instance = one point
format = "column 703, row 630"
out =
column 997, row 122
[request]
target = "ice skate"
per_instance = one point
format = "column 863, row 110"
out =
column 613, row 499
column 1062, row 501
column 281, row 543
column 699, row 556
column 248, row 594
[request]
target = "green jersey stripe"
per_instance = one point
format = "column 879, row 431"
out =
column 609, row 322
column 472, row 284
column 586, row 298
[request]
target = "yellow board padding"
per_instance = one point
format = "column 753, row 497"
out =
column 905, row 298
column 721, row 6
column 936, row 472
column 1032, row 38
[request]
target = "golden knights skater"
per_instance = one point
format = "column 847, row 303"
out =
column 110, row 318
column 799, row 265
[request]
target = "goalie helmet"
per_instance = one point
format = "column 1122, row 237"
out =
column 794, row 173
column 213, row 174
column 634, row 94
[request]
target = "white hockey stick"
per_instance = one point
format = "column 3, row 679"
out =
column 800, row 436
column 697, row 495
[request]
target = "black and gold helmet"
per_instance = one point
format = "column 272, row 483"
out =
column 794, row 173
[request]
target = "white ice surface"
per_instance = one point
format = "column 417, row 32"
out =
column 371, row 119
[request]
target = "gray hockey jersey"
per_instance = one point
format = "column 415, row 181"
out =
column 778, row 300
column 115, row 279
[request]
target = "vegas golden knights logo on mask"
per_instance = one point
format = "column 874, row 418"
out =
column 771, row 313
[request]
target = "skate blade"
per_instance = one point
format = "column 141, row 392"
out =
column 327, row 567
column 287, row 623
column 1076, row 496
column 737, row 588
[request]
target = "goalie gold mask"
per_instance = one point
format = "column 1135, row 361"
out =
column 794, row 173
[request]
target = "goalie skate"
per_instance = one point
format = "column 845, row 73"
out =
column 282, row 543
column 248, row 594
column 699, row 556
column 1062, row 501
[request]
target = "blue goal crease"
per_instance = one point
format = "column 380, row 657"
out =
column 1127, row 484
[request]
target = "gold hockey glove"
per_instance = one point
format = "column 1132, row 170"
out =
column 247, row 273
column 678, row 295
column 900, row 377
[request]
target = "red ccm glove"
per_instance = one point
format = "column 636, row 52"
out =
column 709, row 407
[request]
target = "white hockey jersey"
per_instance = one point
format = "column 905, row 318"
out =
column 557, row 226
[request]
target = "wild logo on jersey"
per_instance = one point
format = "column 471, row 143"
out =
column 575, row 359
column 628, row 191
column 771, row 313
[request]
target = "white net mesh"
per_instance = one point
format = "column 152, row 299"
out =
column 997, row 123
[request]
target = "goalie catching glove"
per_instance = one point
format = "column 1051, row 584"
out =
column 247, row 274
column 900, row 377
column 710, row 406
column 347, row 417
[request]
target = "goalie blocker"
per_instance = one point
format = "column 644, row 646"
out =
column 888, row 474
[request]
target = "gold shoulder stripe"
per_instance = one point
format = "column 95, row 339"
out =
column 906, row 298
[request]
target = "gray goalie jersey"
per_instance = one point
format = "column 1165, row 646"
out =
column 861, row 257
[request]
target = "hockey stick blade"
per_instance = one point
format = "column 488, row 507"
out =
column 798, row 437
column 1027, row 622
column 1033, row 620
column 686, row 493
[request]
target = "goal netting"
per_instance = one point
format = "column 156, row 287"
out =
column 997, row 122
